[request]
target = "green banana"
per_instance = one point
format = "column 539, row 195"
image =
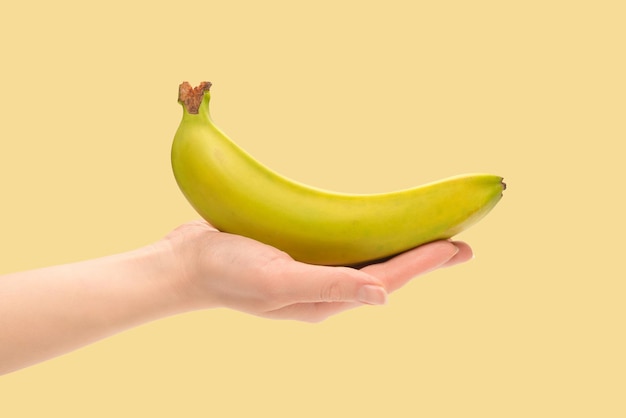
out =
column 237, row 194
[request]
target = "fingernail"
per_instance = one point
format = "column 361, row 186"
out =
column 372, row 295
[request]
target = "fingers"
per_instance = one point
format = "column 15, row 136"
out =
column 310, row 283
column 396, row 272
column 465, row 254
column 318, row 292
column 305, row 283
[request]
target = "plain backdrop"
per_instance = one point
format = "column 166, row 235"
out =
column 361, row 96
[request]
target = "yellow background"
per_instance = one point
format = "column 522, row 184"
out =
column 353, row 96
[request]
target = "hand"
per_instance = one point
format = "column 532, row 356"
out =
column 70, row 305
column 224, row 270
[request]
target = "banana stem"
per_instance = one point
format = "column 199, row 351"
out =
column 191, row 97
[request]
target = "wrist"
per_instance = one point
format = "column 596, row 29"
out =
column 165, row 276
column 177, row 258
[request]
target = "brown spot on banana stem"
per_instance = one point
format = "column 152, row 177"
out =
column 191, row 97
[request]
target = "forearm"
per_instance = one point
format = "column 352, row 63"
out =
column 47, row 312
column 51, row 311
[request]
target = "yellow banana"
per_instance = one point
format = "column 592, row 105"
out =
column 238, row 194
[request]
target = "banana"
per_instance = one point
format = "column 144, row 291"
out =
column 237, row 194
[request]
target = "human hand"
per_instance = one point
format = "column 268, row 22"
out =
column 218, row 269
column 70, row 305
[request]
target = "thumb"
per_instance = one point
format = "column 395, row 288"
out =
column 310, row 283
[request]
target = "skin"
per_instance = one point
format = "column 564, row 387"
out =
column 51, row 311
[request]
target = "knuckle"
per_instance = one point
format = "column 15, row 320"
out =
column 332, row 292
